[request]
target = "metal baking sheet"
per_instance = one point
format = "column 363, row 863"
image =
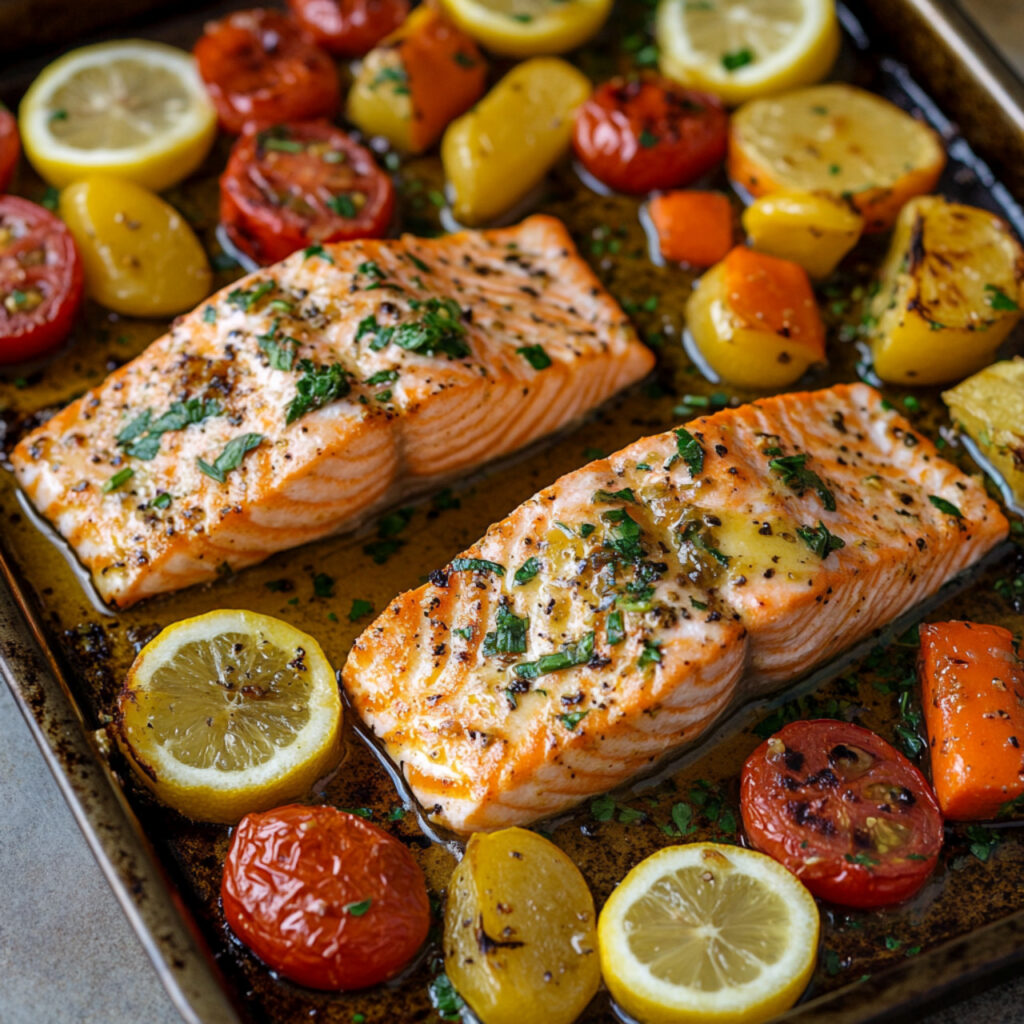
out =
column 63, row 657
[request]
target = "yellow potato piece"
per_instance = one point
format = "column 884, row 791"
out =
column 735, row 352
column 140, row 256
column 498, row 151
column 990, row 407
column 839, row 140
column 520, row 936
column 949, row 292
column 813, row 229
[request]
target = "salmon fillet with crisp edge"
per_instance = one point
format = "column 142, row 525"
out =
column 309, row 394
column 613, row 616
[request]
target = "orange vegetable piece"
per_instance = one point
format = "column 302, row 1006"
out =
column 972, row 690
column 446, row 72
column 693, row 227
column 768, row 293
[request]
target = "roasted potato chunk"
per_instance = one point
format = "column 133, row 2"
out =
column 422, row 76
column 949, row 292
column 990, row 408
column 520, row 934
column 754, row 321
column 814, row 229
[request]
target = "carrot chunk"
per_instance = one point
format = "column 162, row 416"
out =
column 693, row 227
column 972, row 689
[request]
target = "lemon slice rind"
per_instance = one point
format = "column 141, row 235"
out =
column 528, row 28
column 811, row 44
column 216, row 793
column 172, row 151
column 776, row 986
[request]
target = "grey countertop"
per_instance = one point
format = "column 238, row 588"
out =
column 68, row 954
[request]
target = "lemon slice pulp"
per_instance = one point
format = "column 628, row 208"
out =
column 745, row 48
column 528, row 28
column 132, row 108
column 230, row 712
column 710, row 933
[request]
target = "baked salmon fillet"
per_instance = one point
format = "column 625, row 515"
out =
column 309, row 394
column 613, row 616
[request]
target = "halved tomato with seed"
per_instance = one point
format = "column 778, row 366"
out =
column 259, row 65
column 10, row 147
column 349, row 28
column 636, row 135
column 40, row 280
column 290, row 185
column 848, row 814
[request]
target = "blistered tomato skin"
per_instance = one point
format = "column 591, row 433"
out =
column 289, row 186
column 10, row 147
column 41, row 280
column 325, row 898
column 259, row 65
column 848, row 814
column 349, row 28
column 643, row 134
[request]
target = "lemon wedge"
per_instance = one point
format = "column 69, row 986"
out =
column 132, row 108
column 528, row 28
column 230, row 712
column 745, row 48
column 708, row 933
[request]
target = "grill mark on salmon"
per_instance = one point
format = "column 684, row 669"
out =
column 425, row 333
column 727, row 585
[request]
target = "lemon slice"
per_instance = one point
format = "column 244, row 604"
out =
column 528, row 28
column 745, row 48
column 708, row 933
column 132, row 108
column 230, row 712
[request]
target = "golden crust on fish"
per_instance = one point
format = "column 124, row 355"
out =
column 613, row 616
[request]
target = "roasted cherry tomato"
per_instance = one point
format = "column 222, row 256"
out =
column 260, row 66
column 349, row 28
column 10, row 147
column 649, row 133
column 849, row 815
column 40, row 280
column 291, row 185
column 327, row 899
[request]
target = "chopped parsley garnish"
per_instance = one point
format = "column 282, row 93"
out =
column 231, row 457
column 466, row 632
column 647, row 139
column 527, row 571
column 245, row 299
column 798, row 478
column 141, row 437
column 323, row 585
column 121, row 477
column 317, row 250
column 395, row 522
column 613, row 631
column 625, row 534
column 689, row 449
column 382, row 377
column 317, row 387
column 509, row 636
column 51, row 198
column 571, row 655
column 210, row 315
column 692, row 534
column 477, row 565
column 650, row 655
column 863, row 859
column 381, row 550
column 359, row 812
column 983, row 841
column 998, row 300
column 603, row 808
column 279, row 586
column 737, row 59
column 282, row 145
column 445, row 999
column 280, row 352
column 162, row 500
column 397, row 77
column 372, row 270
column 439, row 330
column 342, row 205
column 945, row 506
column 586, row 529
column 603, row 497
column 571, row 720
column 381, row 335
column 819, row 540
column 358, row 909
column 535, row 356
